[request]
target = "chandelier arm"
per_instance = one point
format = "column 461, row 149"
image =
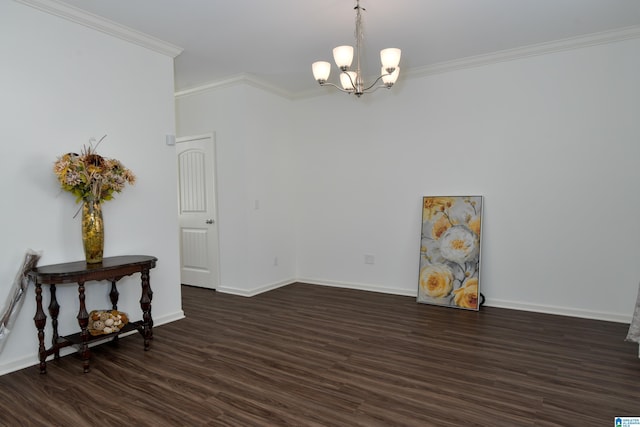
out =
column 375, row 82
column 376, row 88
column 336, row 86
column 353, row 84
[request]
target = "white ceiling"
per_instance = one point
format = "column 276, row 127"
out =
column 277, row 40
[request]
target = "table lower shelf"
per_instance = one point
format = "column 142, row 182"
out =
column 76, row 339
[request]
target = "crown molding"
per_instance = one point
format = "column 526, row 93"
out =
column 593, row 39
column 239, row 79
column 572, row 43
column 103, row 25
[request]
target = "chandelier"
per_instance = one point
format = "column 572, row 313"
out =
column 352, row 81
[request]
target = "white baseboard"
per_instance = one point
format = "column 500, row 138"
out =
column 254, row 291
column 513, row 305
column 21, row 363
column 335, row 284
column 33, row 360
column 562, row 311
column 361, row 287
column 168, row 318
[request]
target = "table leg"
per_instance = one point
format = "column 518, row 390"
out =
column 83, row 321
column 54, row 310
column 145, row 305
column 40, row 320
column 114, row 295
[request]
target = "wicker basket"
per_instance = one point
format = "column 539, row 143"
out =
column 105, row 322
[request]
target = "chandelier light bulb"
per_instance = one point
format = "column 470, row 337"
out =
column 343, row 55
column 321, row 71
column 390, row 58
column 390, row 79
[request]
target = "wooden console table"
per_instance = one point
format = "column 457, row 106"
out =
column 111, row 269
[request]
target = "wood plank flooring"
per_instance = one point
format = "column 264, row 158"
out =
column 306, row 355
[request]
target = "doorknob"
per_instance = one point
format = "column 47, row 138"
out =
column 209, row 221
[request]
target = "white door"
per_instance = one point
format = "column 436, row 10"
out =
column 197, row 211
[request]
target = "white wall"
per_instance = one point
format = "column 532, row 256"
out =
column 254, row 180
column 63, row 83
column 550, row 141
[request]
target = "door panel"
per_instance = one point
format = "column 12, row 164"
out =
column 197, row 211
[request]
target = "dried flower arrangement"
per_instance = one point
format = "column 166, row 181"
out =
column 91, row 177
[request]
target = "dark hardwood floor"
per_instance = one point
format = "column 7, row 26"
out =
column 306, row 355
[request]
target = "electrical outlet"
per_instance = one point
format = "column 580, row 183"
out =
column 275, row 261
column 369, row 259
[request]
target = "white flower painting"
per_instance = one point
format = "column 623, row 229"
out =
column 450, row 251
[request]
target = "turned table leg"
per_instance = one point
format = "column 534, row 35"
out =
column 145, row 305
column 83, row 321
column 54, row 310
column 113, row 295
column 40, row 320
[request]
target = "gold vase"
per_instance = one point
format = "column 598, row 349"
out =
column 92, row 231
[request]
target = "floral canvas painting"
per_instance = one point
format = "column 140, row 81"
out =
column 450, row 251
